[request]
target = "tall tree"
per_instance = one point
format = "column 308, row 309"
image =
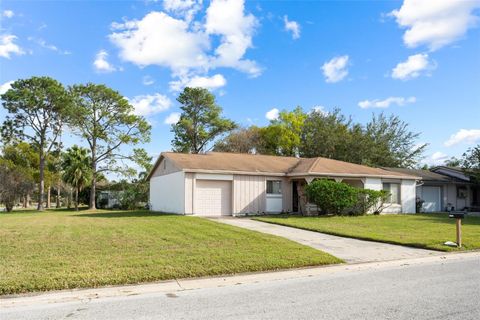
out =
column 325, row 135
column 105, row 119
column 200, row 122
column 471, row 163
column 384, row 141
column 242, row 140
column 76, row 169
column 282, row 136
column 37, row 108
column 392, row 142
column 453, row 162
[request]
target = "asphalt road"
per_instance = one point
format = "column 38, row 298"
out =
column 431, row 290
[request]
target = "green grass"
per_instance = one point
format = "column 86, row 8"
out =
column 429, row 231
column 65, row 249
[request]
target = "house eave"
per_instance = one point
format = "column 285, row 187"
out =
column 251, row 173
column 351, row 175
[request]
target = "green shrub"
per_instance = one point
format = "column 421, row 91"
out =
column 332, row 197
column 370, row 201
column 340, row 198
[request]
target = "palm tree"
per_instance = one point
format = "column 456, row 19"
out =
column 76, row 169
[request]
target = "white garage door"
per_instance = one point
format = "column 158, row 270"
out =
column 432, row 198
column 213, row 198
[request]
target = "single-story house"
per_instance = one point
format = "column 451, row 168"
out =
column 218, row 183
column 444, row 189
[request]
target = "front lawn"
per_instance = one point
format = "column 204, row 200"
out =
column 429, row 231
column 66, row 249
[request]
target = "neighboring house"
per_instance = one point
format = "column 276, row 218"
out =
column 229, row 183
column 444, row 189
column 108, row 199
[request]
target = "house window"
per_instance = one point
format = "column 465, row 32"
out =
column 394, row 190
column 462, row 192
column 274, row 187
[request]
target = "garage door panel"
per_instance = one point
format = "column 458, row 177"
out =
column 213, row 197
column 432, row 199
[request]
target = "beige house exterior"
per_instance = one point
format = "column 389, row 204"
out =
column 218, row 183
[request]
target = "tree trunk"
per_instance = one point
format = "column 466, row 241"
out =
column 41, row 186
column 58, row 196
column 76, row 199
column 70, row 196
column 49, row 198
column 92, row 205
column 25, row 200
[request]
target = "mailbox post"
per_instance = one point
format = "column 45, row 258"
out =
column 458, row 216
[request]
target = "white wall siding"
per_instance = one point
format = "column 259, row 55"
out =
column 189, row 186
column 373, row 184
column 408, row 194
column 249, row 194
column 167, row 193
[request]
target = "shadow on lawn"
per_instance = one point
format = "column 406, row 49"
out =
column 124, row 214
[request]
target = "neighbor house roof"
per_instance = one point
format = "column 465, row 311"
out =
column 274, row 165
column 426, row 175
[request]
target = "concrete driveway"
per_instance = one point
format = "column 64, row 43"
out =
column 350, row 250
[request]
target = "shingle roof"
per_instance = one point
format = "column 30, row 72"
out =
column 225, row 161
column 426, row 175
column 329, row 166
column 289, row 166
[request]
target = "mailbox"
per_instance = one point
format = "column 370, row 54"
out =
column 457, row 215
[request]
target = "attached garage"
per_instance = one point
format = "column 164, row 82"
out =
column 432, row 197
column 213, row 198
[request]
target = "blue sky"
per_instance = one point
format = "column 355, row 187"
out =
column 418, row 59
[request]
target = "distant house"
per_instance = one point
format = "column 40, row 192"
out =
column 229, row 184
column 109, row 199
column 445, row 189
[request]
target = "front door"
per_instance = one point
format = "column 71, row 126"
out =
column 294, row 197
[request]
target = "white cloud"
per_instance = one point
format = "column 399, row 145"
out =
column 385, row 103
column 101, row 63
column 41, row 42
column 436, row 159
column 8, row 47
column 272, row 114
column 8, row 13
column 146, row 105
column 292, row 26
column 147, row 80
column 214, row 82
column 188, row 47
column 159, row 39
column 5, row 86
column 463, row 136
column 435, row 23
column 183, row 8
column 413, row 67
column 172, row 118
column 227, row 19
column 335, row 70
column 320, row 109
